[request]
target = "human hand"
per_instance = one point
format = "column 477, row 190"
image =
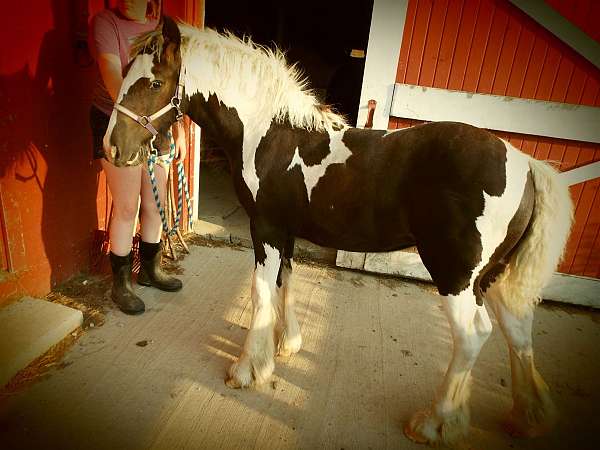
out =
column 180, row 143
column 180, row 149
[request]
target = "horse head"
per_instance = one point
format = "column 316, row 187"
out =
column 149, row 99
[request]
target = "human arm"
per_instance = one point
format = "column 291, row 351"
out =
column 105, row 48
column 110, row 71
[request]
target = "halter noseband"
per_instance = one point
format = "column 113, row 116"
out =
column 146, row 121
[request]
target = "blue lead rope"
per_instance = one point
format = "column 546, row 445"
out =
column 182, row 185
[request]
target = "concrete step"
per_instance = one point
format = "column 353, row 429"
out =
column 28, row 328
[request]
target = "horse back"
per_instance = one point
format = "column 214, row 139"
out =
column 372, row 190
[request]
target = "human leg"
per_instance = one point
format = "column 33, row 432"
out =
column 151, row 230
column 124, row 185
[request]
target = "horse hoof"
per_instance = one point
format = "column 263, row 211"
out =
column 239, row 375
column 232, row 383
column 289, row 345
column 246, row 372
column 417, row 426
column 425, row 427
column 522, row 429
column 411, row 433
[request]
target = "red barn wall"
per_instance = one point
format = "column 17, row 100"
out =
column 491, row 47
column 47, row 185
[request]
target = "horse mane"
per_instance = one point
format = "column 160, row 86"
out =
column 278, row 90
column 151, row 42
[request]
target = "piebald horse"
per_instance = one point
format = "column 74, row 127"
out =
column 490, row 223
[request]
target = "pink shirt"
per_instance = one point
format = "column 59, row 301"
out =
column 112, row 33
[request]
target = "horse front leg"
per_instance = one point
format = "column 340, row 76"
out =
column 289, row 339
column 256, row 363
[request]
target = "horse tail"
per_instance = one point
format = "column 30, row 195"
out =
column 538, row 253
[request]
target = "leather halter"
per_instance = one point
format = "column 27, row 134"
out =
column 146, row 121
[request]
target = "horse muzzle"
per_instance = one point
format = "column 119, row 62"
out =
column 114, row 156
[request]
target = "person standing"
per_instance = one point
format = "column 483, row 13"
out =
column 113, row 31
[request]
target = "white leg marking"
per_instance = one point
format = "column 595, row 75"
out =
column 338, row 154
column 289, row 337
column 447, row 420
column 533, row 412
column 256, row 364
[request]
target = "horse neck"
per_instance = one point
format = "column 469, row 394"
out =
column 220, row 122
column 259, row 92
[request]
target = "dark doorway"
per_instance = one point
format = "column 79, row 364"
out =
column 319, row 35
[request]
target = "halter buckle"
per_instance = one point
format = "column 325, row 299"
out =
column 176, row 103
column 144, row 120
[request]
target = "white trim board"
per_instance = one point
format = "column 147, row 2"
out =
column 559, row 26
column 196, row 188
column 383, row 52
column 564, row 288
column 581, row 174
column 494, row 112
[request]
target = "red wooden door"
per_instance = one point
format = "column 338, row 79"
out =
column 492, row 47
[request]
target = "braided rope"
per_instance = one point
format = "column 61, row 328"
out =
column 182, row 186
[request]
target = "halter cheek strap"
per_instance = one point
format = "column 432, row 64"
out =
column 146, row 121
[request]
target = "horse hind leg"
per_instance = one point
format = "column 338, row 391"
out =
column 533, row 413
column 515, row 291
column 447, row 420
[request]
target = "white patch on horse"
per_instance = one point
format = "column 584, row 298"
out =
column 499, row 211
column 140, row 68
column 250, row 145
column 338, row 154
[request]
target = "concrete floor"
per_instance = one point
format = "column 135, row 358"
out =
column 375, row 349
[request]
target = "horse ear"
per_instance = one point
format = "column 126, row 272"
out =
column 171, row 37
column 170, row 31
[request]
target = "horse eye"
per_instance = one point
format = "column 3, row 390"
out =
column 156, row 84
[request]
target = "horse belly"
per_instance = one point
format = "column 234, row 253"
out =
column 356, row 226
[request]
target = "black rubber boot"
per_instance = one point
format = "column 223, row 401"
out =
column 122, row 292
column 150, row 271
